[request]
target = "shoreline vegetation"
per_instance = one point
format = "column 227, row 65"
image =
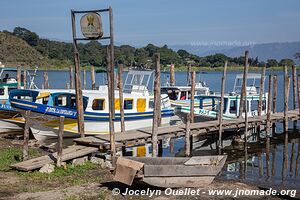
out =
column 24, row 47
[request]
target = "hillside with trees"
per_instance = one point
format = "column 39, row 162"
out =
column 23, row 45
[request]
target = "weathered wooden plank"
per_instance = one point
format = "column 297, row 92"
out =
column 179, row 170
column 176, row 182
column 67, row 154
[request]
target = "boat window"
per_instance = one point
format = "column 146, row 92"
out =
column 73, row 102
column 61, row 100
column 1, row 91
column 233, row 107
column 141, row 105
column 254, row 105
column 151, row 103
column 98, row 104
column 117, row 104
column 25, row 98
column 264, row 105
column 45, row 100
column 183, row 95
column 128, row 104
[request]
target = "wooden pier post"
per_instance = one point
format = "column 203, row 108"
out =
column 261, row 94
column 46, row 80
column 79, row 97
column 287, row 81
column 275, row 77
column 93, row 77
column 111, row 96
column 19, row 76
column 122, row 121
column 299, row 93
column 294, row 74
column 188, row 74
column 187, row 135
column 84, row 77
column 26, row 135
column 192, row 99
column 157, row 73
column 286, row 98
column 172, row 75
column 60, row 141
column 243, row 92
column 157, row 108
column 25, row 78
column 268, row 128
column 220, row 143
column 71, row 77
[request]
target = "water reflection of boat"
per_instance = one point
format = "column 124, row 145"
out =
column 169, row 172
column 48, row 105
column 207, row 107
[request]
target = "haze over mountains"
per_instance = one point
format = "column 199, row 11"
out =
column 264, row 52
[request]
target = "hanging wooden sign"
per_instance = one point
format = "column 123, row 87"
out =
column 91, row 26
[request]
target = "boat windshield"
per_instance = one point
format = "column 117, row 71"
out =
column 252, row 85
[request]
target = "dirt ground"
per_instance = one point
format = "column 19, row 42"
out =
column 88, row 182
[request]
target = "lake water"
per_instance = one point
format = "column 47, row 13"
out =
column 236, row 155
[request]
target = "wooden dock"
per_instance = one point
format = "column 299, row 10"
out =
column 142, row 136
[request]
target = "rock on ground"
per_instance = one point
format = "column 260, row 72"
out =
column 48, row 168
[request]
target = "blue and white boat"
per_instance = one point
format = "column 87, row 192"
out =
column 47, row 105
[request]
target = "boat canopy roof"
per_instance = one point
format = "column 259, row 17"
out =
column 139, row 81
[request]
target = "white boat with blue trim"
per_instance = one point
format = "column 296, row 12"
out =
column 207, row 107
column 47, row 105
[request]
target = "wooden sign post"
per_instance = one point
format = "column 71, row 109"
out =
column 91, row 28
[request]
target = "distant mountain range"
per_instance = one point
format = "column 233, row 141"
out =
column 264, row 52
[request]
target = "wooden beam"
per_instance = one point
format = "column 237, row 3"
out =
column 19, row 76
column 110, row 79
column 268, row 129
column 71, row 77
column 157, row 107
column 60, row 141
column 286, row 97
column 172, row 75
column 294, row 75
column 243, row 92
column 121, row 99
column 220, row 143
column 188, row 75
column 46, row 80
column 192, row 99
column 26, row 135
column 93, row 77
column 187, row 135
column 25, row 78
column 261, row 92
column 299, row 93
column 79, row 97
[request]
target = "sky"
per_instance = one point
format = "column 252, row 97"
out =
column 171, row 22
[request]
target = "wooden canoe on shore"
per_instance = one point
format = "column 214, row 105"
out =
column 174, row 172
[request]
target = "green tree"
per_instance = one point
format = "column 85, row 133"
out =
column 30, row 37
column 272, row 63
column 286, row 61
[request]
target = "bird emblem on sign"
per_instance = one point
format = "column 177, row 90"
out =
column 90, row 19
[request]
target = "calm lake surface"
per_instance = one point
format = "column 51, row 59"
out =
column 234, row 168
